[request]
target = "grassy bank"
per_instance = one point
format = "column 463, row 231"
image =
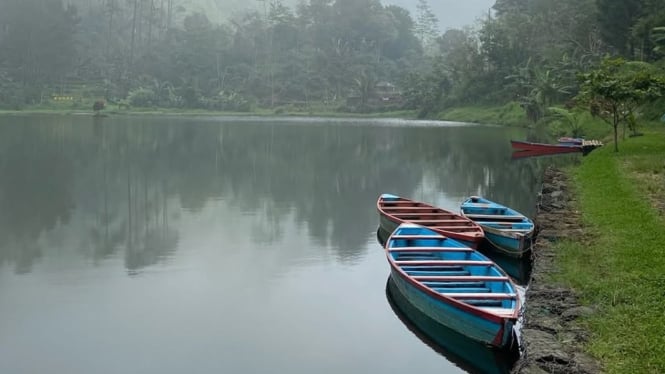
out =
column 621, row 271
column 509, row 115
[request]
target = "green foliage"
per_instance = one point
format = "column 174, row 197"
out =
column 570, row 121
column 228, row 101
column 510, row 114
column 11, row 93
column 275, row 56
column 426, row 26
column 320, row 51
column 654, row 110
column 614, row 90
column 424, row 92
column 615, row 21
column 142, row 97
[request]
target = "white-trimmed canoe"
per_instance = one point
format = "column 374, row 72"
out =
column 453, row 284
column 507, row 230
column 394, row 210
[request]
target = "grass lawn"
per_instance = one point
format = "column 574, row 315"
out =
column 622, row 270
column 510, row 114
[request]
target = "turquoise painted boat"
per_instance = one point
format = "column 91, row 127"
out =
column 506, row 229
column 453, row 284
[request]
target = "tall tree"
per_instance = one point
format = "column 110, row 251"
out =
column 427, row 26
column 615, row 20
column 38, row 43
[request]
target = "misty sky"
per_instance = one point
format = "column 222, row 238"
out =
column 451, row 13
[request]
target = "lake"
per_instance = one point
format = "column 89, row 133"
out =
column 171, row 244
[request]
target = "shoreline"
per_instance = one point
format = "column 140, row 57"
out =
column 410, row 115
column 551, row 337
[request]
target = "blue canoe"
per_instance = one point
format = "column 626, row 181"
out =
column 454, row 285
column 506, row 229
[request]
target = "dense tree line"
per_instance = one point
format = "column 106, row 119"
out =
column 533, row 50
column 157, row 53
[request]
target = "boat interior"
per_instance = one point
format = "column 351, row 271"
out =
column 453, row 270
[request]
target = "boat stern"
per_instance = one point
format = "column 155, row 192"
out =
column 389, row 197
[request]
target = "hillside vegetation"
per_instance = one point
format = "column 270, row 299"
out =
column 336, row 55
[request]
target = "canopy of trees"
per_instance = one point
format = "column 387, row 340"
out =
column 155, row 53
column 159, row 53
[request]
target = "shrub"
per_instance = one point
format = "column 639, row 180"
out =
column 141, row 97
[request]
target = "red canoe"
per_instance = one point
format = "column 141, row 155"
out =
column 395, row 210
column 544, row 147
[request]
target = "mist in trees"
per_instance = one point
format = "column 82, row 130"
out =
column 157, row 53
column 323, row 54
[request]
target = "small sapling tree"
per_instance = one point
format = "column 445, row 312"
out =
column 615, row 89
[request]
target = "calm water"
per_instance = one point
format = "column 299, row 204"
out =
column 171, row 245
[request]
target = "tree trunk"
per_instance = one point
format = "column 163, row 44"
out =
column 131, row 48
column 616, row 129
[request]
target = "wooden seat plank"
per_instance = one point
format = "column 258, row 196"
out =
column 444, row 278
column 423, row 214
column 415, row 208
column 461, row 221
column 418, row 237
column 429, row 249
column 443, row 263
column 480, row 295
column 495, row 216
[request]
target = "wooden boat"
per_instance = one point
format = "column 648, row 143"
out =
column 565, row 145
column 518, row 154
column 519, row 270
column 553, row 148
column 394, row 210
column 452, row 284
column 509, row 231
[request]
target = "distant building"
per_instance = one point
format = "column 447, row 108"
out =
column 383, row 94
column 386, row 93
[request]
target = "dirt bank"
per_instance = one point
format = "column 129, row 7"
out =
column 550, row 335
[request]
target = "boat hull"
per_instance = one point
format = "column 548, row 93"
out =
column 497, row 334
column 511, row 245
column 543, row 147
column 508, row 231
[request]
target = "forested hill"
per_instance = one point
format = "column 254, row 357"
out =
column 450, row 13
column 352, row 55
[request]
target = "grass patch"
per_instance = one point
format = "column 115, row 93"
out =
column 622, row 271
column 646, row 166
column 510, row 115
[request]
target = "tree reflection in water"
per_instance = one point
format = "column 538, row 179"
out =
column 118, row 186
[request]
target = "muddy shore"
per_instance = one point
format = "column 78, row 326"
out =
column 551, row 337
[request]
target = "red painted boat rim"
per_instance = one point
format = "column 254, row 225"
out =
column 475, row 237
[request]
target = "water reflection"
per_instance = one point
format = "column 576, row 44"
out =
column 467, row 354
column 117, row 186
